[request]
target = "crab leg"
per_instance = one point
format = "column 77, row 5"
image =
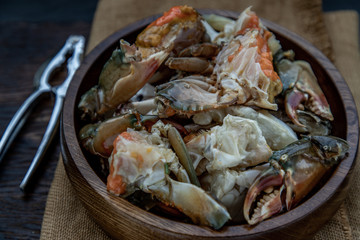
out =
column 142, row 107
column 139, row 72
column 206, row 50
column 179, row 146
column 308, row 83
column 193, row 202
column 190, row 64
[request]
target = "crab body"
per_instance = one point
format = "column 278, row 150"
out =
column 243, row 74
column 131, row 67
column 143, row 161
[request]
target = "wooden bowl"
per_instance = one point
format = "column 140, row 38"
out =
column 123, row 220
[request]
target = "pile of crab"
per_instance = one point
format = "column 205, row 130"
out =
column 200, row 118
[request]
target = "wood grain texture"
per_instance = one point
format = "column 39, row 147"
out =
column 23, row 48
column 123, row 220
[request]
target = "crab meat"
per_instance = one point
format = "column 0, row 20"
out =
column 276, row 132
column 229, row 187
column 226, row 158
column 243, row 71
column 237, row 143
column 244, row 67
column 144, row 161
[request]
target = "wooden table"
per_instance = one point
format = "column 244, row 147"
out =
column 23, row 48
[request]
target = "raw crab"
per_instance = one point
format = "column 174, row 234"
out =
column 98, row 138
column 144, row 161
column 186, row 96
column 313, row 124
column 190, row 125
column 117, row 78
column 244, row 68
column 294, row 172
column 177, row 29
column 301, row 86
column 243, row 71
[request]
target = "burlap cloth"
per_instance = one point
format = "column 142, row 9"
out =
column 335, row 34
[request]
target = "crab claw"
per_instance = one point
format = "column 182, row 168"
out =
column 124, row 74
column 293, row 173
column 268, row 186
column 308, row 83
column 301, row 86
column 292, row 102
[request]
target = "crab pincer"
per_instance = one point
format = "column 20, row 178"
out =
column 124, row 74
column 292, row 101
column 294, row 171
column 301, row 87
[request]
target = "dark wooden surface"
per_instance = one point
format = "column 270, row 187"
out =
column 24, row 47
column 122, row 219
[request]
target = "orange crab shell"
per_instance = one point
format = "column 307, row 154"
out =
column 178, row 28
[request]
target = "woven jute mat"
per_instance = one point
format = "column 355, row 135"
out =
column 335, row 34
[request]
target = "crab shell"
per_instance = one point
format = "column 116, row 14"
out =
column 243, row 71
column 177, row 29
column 294, row 172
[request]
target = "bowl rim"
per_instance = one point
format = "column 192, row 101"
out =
column 74, row 158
